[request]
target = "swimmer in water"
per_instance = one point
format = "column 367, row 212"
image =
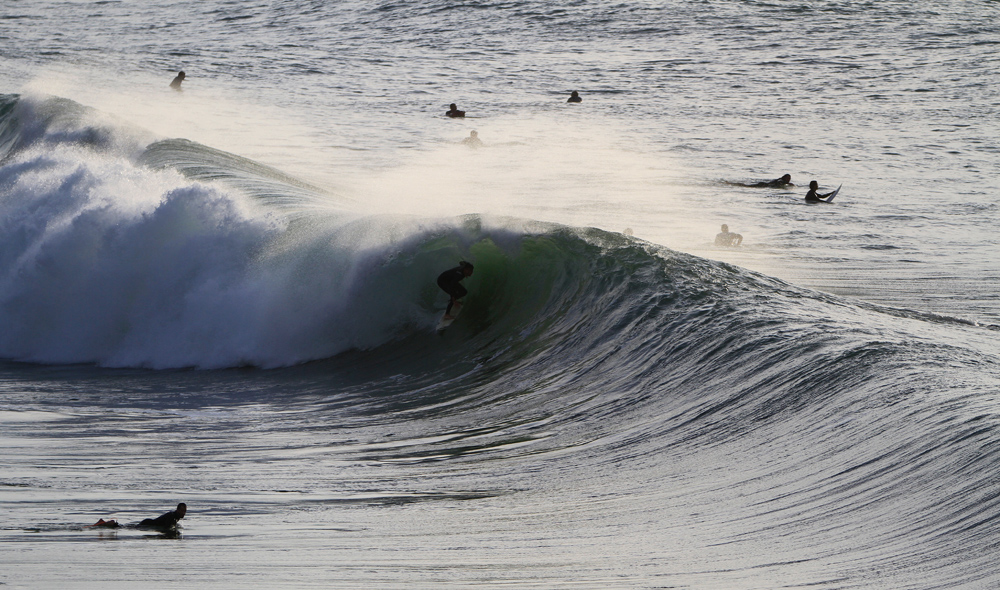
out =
column 176, row 84
column 574, row 97
column 454, row 113
column 473, row 140
column 727, row 239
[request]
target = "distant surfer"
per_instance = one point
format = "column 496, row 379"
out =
column 165, row 522
column 784, row 181
column 727, row 238
column 454, row 113
column 176, row 84
column 473, row 140
column 813, row 197
column 106, row 524
column 450, row 282
column 574, row 97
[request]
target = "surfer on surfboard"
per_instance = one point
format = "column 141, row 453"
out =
column 783, row 182
column 813, row 197
column 450, row 282
column 165, row 522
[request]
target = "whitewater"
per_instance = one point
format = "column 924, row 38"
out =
column 225, row 295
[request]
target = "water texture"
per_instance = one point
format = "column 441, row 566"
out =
column 225, row 296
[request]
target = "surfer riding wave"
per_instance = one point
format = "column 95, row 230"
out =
column 450, row 283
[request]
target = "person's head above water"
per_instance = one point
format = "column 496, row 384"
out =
column 725, row 227
column 786, row 178
column 181, row 510
column 813, row 184
column 176, row 82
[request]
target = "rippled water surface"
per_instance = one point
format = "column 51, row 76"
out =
column 225, row 296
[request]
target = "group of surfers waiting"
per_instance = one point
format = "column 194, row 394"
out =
column 449, row 280
column 728, row 239
column 455, row 113
column 785, row 181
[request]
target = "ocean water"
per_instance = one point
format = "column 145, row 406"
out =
column 226, row 296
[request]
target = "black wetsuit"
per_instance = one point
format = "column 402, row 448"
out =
column 777, row 183
column 812, row 197
column 162, row 522
column 450, row 283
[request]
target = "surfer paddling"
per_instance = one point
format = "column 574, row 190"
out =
column 165, row 522
column 782, row 182
column 450, row 282
column 813, row 197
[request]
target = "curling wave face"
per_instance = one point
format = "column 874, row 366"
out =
column 757, row 411
column 111, row 257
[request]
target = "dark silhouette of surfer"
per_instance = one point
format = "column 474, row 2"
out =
column 813, row 197
column 176, row 84
column 727, row 238
column 574, row 97
column 782, row 182
column 165, row 522
column 473, row 140
column 454, row 113
column 450, row 282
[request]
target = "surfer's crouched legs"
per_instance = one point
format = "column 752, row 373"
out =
column 456, row 291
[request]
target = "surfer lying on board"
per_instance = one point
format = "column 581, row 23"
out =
column 727, row 238
column 165, row 522
column 812, row 196
column 450, row 283
column 782, row 182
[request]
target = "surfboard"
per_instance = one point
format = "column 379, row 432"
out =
column 833, row 194
column 446, row 320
